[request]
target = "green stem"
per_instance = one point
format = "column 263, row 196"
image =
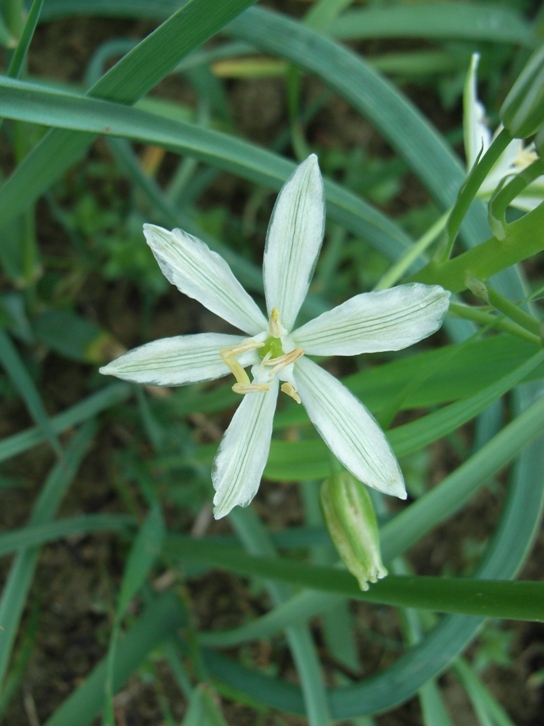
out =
column 506, row 194
column 512, row 311
column 14, row 16
column 525, row 238
column 396, row 271
column 26, row 35
column 489, row 320
column 468, row 191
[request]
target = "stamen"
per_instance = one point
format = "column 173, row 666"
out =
column 283, row 361
column 290, row 391
column 244, row 388
column 229, row 359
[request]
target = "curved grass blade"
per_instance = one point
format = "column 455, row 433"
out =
column 452, row 493
column 491, row 22
column 10, row 359
column 521, row 600
column 143, row 554
column 39, row 534
column 24, row 565
column 38, row 104
column 132, row 77
column 297, row 610
column 160, row 620
column 76, row 414
column 252, row 532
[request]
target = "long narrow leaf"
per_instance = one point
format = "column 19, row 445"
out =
column 11, row 360
column 39, row 534
column 160, row 620
column 22, row 570
column 491, row 22
column 30, row 102
column 83, row 411
column 494, row 599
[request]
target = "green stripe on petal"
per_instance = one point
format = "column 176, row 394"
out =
column 376, row 321
column 190, row 265
column 293, row 241
column 242, row 455
column 177, row 361
column 348, row 429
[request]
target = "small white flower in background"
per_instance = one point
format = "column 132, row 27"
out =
column 477, row 136
column 275, row 352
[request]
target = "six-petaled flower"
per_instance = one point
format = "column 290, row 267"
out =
column 275, row 351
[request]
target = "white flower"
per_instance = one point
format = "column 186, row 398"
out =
column 368, row 323
column 477, row 136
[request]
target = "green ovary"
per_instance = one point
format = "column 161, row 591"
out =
column 273, row 346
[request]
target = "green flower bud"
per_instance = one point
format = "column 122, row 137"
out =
column 351, row 521
column 522, row 112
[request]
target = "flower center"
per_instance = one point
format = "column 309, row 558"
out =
column 272, row 348
column 271, row 354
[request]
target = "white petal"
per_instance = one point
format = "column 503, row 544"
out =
column 348, row 429
column 177, row 361
column 239, row 464
column 196, row 271
column 376, row 321
column 532, row 196
column 505, row 165
column 293, row 241
column 476, row 133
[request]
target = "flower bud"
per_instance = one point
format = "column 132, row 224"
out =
column 522, row 112
column 351, row 521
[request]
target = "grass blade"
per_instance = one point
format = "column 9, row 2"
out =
column 486, row 598
column 160, row 620
column 22, row 570
column 10, row 359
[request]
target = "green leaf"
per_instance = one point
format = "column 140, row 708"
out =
column 73, row 336
column 38, row 534
column 10, row 359
column 486, row 598
column 20, row 577
column 48, row 106
column 82, row 411
column 132, row 77
column 161, row 619
column 143, row 555
column 490, row 22
column 203, row 709
column 442, row 502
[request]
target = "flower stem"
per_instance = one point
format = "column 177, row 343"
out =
column 483, row 317
column 512, row 311
column 505, row 195
column 524, row 238
column 396, row 271
column 468, row 191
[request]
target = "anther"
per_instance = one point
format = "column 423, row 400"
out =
column 244, row 388
column 283, row 361
column 229, row 359
column 290, row 391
